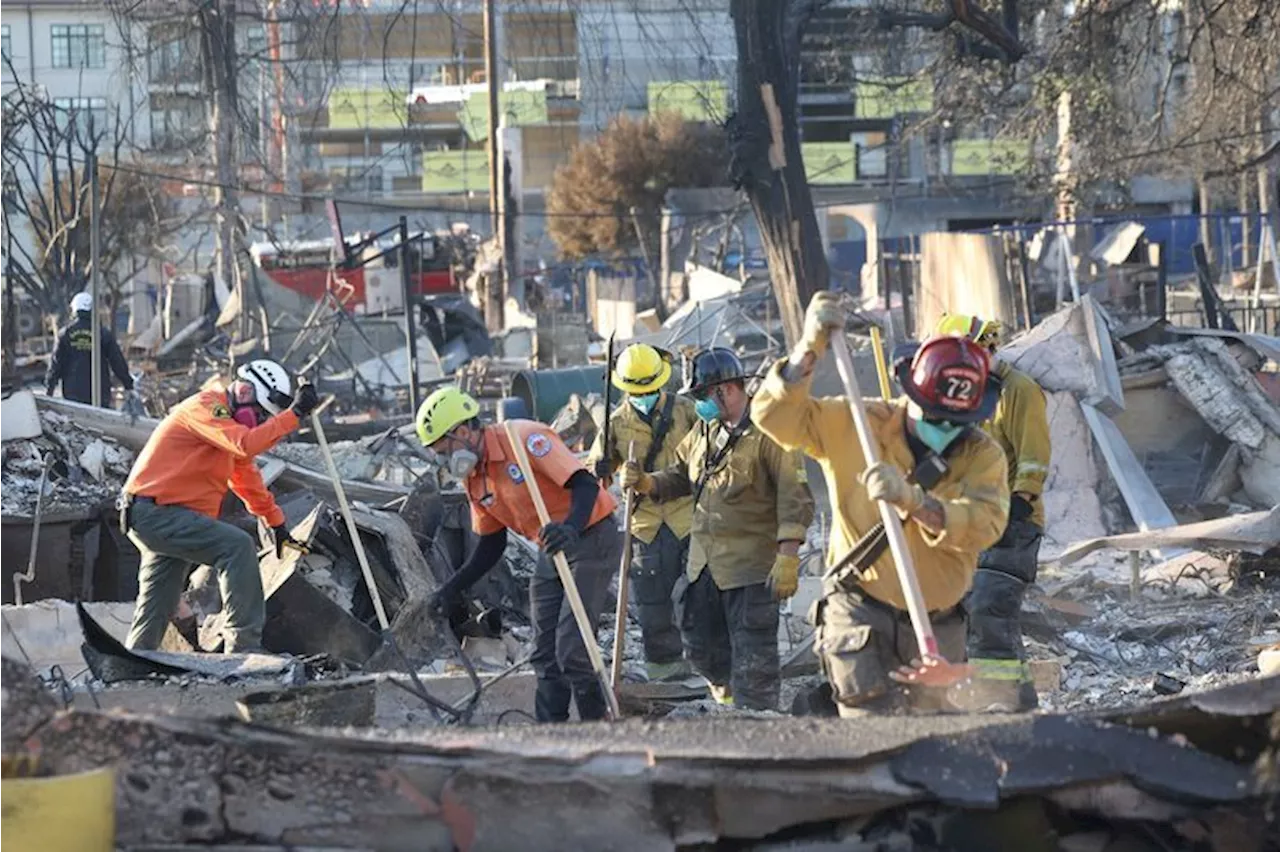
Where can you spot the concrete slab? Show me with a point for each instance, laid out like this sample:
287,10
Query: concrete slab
19,417
48,632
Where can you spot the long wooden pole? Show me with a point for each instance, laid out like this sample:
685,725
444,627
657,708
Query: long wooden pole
942,672
350,520
585,627
620,609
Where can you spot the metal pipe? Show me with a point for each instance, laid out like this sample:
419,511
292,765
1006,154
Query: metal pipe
95,261
410,331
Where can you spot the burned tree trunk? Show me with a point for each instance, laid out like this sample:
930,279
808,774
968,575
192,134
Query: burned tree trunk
764,144
764,133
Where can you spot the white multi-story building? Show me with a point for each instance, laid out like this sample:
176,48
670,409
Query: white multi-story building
64,65
68,53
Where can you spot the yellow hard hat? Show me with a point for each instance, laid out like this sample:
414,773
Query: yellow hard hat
444,409
982,332
641,369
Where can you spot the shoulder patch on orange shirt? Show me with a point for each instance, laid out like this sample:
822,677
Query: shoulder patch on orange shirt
220,410
539,444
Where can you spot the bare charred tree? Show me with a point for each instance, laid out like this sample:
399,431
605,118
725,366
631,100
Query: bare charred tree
764,133
46,154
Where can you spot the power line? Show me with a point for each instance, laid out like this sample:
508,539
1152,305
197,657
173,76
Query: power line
406,205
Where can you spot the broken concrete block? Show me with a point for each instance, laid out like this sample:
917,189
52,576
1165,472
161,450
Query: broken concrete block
93,458
1269,662
48,631
485,652
1046,675
19,417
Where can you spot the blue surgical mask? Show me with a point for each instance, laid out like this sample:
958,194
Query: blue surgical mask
937,435
645,403
707,409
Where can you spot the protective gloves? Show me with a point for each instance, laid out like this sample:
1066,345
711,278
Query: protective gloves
1020,509
885,482
1020,512
305,400
556,538
784,577
635,478
602,469
133,406
824,314
282,539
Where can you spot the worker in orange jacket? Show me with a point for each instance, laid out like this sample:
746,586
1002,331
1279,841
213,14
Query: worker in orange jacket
170,504
581,527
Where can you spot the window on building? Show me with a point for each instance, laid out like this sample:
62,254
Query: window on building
5,46
173,55
79,45
255,44
873,154
177,122
357,180
87,115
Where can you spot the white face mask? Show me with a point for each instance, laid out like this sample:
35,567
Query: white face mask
461,463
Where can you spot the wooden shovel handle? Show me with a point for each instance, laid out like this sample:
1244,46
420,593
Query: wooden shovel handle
585,627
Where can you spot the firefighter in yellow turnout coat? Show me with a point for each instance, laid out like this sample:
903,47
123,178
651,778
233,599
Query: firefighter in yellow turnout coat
864,631
1008,567
655,421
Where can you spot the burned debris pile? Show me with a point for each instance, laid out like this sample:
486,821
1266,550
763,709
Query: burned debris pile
85,469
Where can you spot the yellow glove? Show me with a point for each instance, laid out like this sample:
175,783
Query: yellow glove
824,314
635,478
784,577
885,482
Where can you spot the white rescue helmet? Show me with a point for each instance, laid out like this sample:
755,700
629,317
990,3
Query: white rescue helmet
81,302
271,384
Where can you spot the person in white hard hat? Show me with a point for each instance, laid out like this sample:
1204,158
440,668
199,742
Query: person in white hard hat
170,504
72,359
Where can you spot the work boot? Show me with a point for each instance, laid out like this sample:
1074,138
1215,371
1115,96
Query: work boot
815,701
675,670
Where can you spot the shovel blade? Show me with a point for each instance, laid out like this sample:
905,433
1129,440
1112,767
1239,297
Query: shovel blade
932,670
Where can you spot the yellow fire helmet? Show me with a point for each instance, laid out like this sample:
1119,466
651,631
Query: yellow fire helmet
641,369
985,333
444,409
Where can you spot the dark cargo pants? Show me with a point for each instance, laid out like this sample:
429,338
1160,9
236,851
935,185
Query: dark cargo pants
560,659
655,568
860,641
995,601
173,540
731,638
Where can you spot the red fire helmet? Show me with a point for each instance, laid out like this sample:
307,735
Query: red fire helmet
949,378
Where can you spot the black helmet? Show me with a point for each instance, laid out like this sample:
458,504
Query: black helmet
710,367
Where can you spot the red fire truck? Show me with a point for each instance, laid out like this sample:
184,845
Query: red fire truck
305,266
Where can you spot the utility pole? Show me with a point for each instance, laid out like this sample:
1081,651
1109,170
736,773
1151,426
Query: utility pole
493,301
410,330
95,257
10,320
